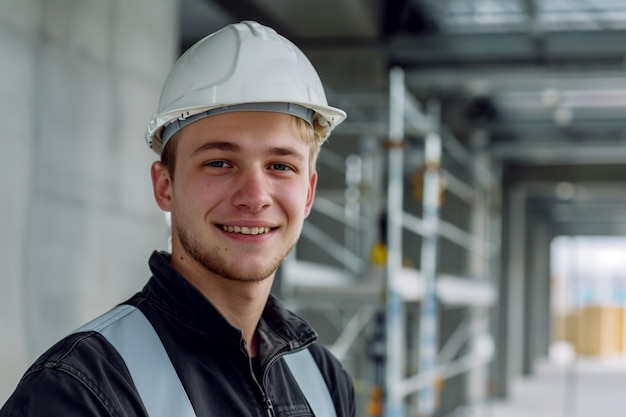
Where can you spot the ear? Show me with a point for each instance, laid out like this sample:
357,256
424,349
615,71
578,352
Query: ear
310,194
161,186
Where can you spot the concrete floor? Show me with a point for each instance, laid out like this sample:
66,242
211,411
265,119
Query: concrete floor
586,387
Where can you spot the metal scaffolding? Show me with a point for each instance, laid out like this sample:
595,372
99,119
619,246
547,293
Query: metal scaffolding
424,289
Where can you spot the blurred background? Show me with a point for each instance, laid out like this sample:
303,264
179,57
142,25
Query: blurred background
466,252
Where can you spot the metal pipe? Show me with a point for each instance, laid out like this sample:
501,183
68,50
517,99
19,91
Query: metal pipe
340,253
351,331
394,307
459,188
462,238
449,231
455,342
337,212
464,364
428,307
458,152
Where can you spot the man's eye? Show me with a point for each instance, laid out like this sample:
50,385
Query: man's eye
217,164
281,167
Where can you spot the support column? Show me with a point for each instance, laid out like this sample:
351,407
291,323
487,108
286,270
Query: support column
394,306
511,300
429,334
479,268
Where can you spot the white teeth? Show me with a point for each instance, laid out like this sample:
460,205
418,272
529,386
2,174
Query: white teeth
246,230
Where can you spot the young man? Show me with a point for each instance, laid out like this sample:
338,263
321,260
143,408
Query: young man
240,122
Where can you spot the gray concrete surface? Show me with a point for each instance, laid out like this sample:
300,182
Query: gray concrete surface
587,387
79,81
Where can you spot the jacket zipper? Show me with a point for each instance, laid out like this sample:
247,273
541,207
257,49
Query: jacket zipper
266,400
270,407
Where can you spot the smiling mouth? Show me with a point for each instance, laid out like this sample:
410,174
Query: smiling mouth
245,230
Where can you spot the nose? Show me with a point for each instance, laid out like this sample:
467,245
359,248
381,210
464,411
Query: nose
252,190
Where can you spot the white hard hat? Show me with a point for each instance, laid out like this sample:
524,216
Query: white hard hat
244,66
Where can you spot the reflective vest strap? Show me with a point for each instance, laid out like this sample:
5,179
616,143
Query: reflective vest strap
155,378
311,382
153,374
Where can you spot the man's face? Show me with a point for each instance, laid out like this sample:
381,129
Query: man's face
241,191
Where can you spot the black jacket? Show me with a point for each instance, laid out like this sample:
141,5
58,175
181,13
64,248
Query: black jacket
83,375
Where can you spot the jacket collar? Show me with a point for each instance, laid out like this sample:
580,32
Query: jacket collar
280,329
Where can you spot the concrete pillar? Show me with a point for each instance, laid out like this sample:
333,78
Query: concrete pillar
538,332
479,262
80,81
510,320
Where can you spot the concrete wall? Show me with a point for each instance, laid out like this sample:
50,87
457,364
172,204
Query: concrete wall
78,82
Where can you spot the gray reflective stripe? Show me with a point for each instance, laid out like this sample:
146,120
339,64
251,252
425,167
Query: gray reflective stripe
155,378
311,382
153,374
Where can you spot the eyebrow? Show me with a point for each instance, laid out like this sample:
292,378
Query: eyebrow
286,151
220,146
233,147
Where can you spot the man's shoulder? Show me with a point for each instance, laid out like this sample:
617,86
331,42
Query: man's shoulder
85,350
80,349
81,372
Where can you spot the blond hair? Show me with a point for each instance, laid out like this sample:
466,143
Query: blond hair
314,137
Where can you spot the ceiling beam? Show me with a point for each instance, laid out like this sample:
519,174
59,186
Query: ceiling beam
492,78
580,228
442,50
558,153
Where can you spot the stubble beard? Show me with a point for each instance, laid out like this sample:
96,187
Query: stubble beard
213,259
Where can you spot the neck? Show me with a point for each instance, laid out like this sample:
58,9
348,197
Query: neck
242,307
241,302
